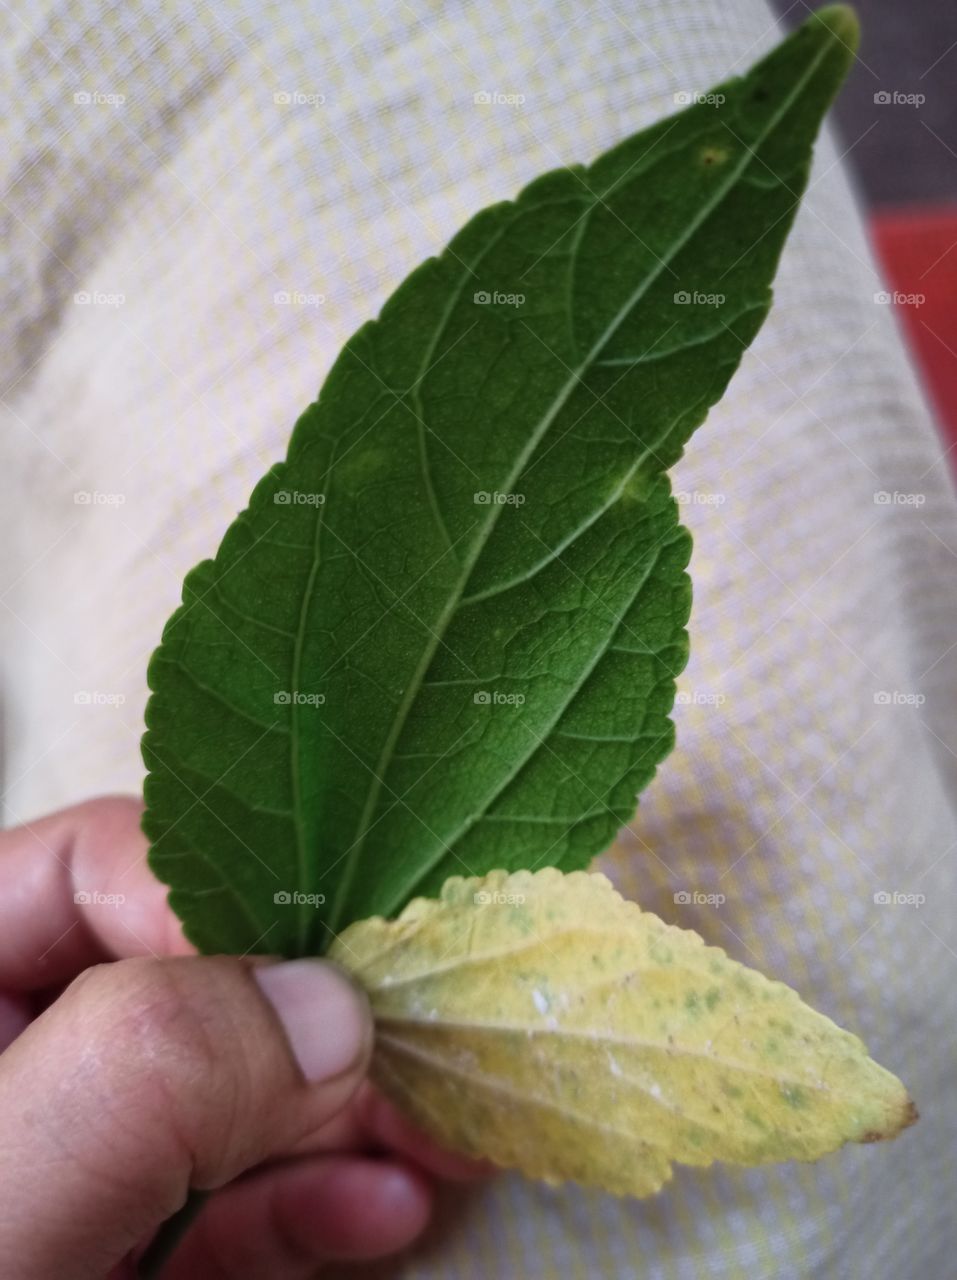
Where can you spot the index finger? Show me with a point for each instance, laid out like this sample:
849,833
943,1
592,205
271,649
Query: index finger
75,890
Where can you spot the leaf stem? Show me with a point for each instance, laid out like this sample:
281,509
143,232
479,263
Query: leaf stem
169,1235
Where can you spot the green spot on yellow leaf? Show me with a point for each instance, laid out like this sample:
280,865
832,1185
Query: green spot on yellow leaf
794,1096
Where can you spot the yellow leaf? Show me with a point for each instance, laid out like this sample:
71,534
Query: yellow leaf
543,1022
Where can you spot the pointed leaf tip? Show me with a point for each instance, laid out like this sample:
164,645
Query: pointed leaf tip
842,21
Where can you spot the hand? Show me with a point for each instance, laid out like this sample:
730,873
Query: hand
155,1071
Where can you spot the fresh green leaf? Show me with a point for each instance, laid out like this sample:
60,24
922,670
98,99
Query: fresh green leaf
541,1021
445,632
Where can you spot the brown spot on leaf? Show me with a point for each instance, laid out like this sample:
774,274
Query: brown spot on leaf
910,1116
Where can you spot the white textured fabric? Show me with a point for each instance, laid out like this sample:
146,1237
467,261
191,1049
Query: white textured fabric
794,792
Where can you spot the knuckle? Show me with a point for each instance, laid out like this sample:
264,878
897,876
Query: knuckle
175,1074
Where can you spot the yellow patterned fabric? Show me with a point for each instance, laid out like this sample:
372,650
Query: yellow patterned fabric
201,203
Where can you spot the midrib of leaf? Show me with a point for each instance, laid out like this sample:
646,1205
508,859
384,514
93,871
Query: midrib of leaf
354,852
302,859
480,1080
540,739
523,1098
554,553
571,1033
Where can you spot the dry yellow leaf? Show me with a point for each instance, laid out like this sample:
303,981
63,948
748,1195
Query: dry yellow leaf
541,1021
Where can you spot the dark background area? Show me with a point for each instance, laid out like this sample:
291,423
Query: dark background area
901,153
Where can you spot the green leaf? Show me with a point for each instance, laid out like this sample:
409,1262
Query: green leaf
444,634
541,1021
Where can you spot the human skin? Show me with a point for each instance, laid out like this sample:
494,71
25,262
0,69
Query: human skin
133,1070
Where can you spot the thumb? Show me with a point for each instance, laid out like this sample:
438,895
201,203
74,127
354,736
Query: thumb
148,1077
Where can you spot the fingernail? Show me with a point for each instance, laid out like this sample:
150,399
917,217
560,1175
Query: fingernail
325,1016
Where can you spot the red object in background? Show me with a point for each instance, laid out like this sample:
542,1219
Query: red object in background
918,252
